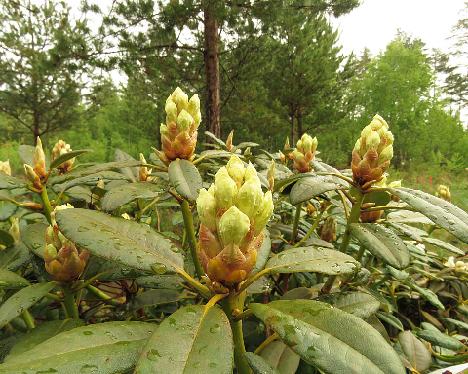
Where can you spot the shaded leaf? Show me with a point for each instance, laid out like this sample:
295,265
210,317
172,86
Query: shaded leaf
263,253
8,279
22,300
8,182
259,365
442,340
67,156
307,188
126,193
390,319
281,357
416,354
130,172
360,304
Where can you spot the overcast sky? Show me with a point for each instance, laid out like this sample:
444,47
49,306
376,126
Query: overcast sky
375,22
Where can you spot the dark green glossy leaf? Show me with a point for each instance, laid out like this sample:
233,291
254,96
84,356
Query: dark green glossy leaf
263,253
312,259
126,193
41,333
34,238
9,279
22,300
195,339
307,188
130,172
8,182
104,348
185,178
444,214
328,338
126,242
67,156
382,242
13,258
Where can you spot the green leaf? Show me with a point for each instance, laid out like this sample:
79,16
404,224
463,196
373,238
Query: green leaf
8,279
7,209
22,300
6,239
259,365
8,182
307,188
360,304
459,324
195,339
383,243
440,243
416,354
26,153
130,172
67,156
116,239
40,334
390,319
379,198
263,253
185,178
13,258
281,357
91,180
444,214
427,294
312,259
33,237
110,347
158,297
441,340
328,338
126,193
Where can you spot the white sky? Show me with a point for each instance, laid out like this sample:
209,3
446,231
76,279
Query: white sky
375,23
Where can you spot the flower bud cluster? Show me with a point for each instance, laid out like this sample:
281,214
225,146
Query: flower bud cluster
304,153
63,261
328,230
233,213
443,192
61,148
372,152
36,173
179,133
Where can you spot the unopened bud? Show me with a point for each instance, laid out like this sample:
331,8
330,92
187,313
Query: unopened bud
229,141
15,229
39,162
328,230
32,176
304,153
233,226
271,175
61,148
236,169
184,120
143,171
264,213
287,146
5,167
443,192
225,189
206,208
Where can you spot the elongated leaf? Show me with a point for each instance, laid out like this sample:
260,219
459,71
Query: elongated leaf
360,304
158,297
312,259
281,357
126,242
195,339
259,365
185,178
459,324
110,347
41,333
67,156
14,257
34,238
22,300
416,354
442,340
444,214
126,193
307,188
427,294
6,239
8,279
328,338
263,253
382,243
85,171
444,245
391,320
130,172
8,182
91,180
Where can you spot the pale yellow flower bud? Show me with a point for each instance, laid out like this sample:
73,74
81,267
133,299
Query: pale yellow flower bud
32,176
249,198
15,229
206,208
225,189
180,98
236,169
39,161
386,154
229,141
184,120
171,111
264,213
194,109
271,175
233,226
5,167
61,148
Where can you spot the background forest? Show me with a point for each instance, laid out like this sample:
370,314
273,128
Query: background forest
98,78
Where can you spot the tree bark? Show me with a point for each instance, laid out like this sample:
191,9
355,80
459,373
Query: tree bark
211,58
299,123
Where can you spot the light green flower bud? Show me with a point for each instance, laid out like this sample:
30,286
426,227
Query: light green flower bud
206,208
39,159
366,131
249,198
184,120
236,169
251,173
372,140
14,230
233,226
50,252
5,167
180,98
194,108
32,176
171,111
264,213
386,154
357,146
225,189
378,122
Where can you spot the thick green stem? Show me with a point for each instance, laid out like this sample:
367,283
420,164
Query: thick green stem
70,303
232,305
190,230
360,253
28,319
102,295
311,230
46,203
297,216
353,218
